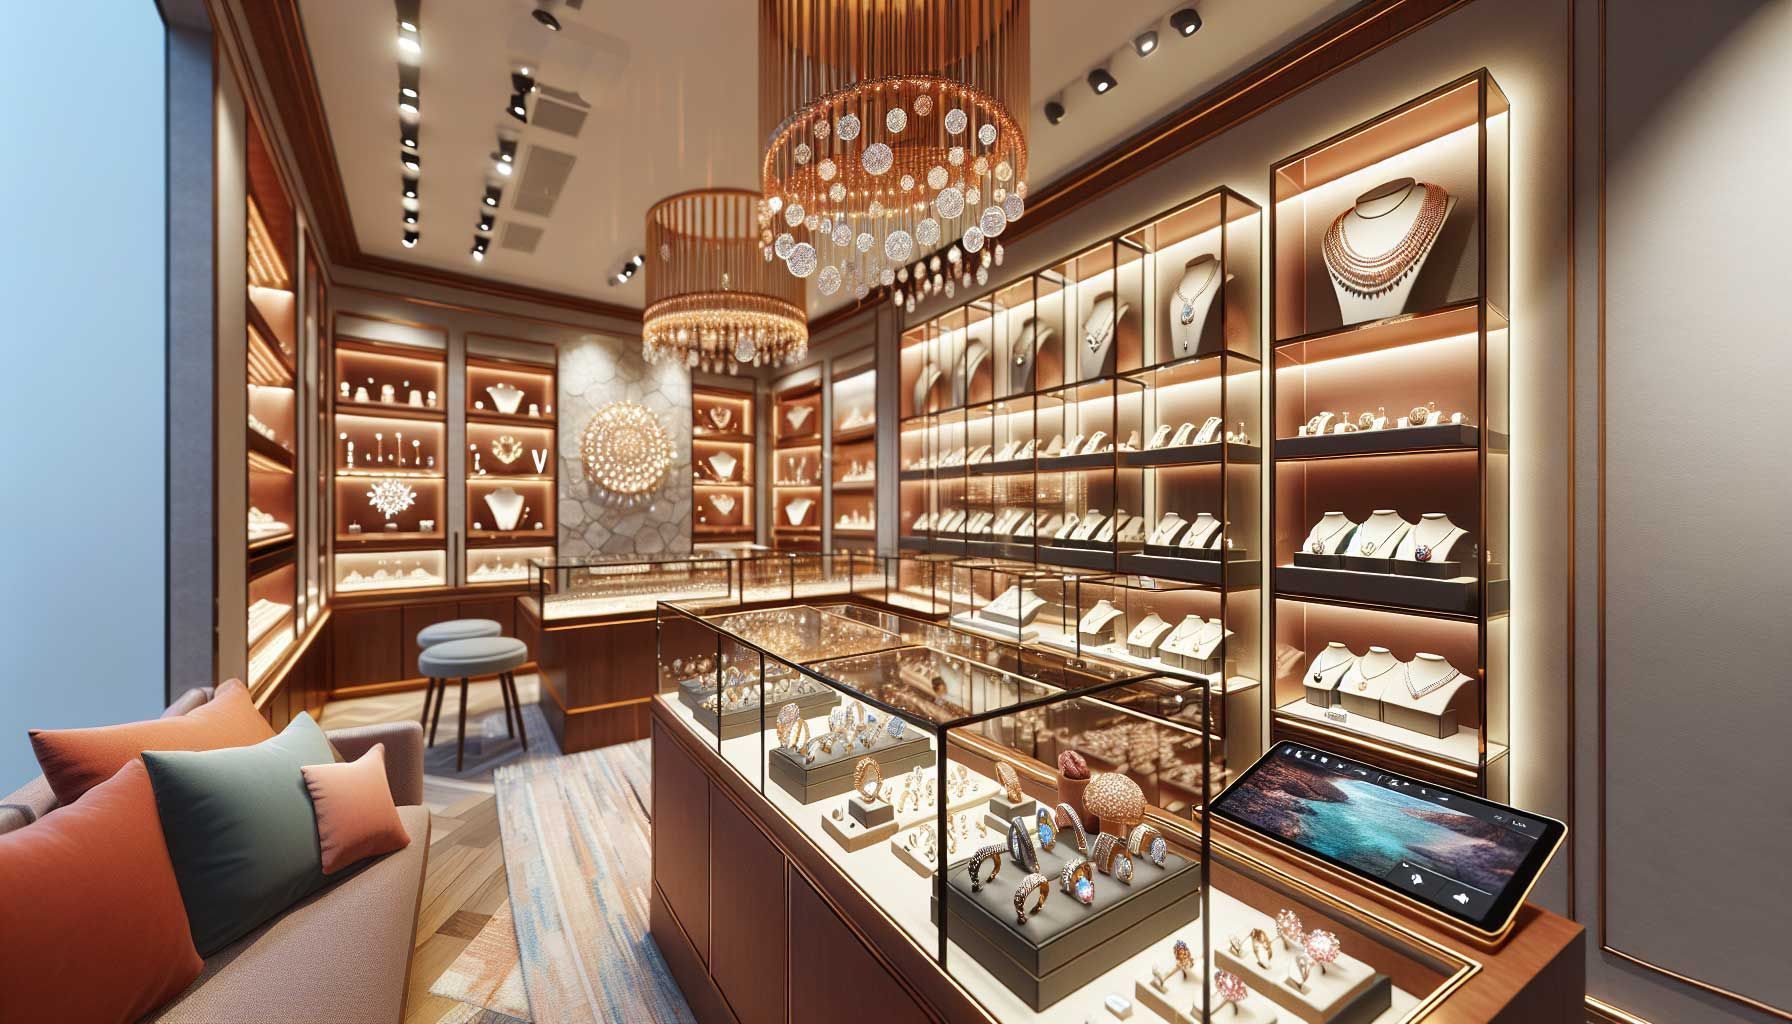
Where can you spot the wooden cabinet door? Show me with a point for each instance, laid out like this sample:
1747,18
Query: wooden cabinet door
365,646
417,616
501,610
680,815
832,975
748,914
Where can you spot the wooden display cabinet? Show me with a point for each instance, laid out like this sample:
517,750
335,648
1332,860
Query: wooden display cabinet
723,462
797,467
852,476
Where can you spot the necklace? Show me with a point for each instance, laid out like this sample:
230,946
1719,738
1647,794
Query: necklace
1187,313
1319,544
1319,670
1362,683
1097,338
1375,273
1369,546
1418,692
1422,551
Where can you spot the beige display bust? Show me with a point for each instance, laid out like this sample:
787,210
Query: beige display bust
1191,303
1374,227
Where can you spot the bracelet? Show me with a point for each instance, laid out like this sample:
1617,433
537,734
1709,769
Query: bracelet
868,778
1148,841
1020,845
1111,858
992,853
1010,780
1034,882
1043,822
1067,815
1078,880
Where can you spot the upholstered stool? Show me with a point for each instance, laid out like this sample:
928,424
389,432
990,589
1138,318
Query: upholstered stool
475,658
439,632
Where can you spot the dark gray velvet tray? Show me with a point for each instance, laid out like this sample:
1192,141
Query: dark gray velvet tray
1067,945
831,774
744,720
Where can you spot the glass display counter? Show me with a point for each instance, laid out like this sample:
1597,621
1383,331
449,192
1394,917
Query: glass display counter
590,587
1030,827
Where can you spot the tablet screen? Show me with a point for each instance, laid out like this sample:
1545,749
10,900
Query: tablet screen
1470,858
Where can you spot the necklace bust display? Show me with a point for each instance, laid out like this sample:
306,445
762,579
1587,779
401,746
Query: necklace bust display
1329,534
1380,534
1191,303
1026,345
1374,250
1096,355
1431,540
974,354
924,382
1329,666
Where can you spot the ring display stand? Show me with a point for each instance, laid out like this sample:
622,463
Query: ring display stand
831,774
744,720
1066,945
1348,991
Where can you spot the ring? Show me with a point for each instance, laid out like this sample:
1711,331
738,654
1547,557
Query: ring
1185,959
896,727
1048,836
1235,943
1078,880
992,853
867,778
1323,947
1034,882
1300,972
1010,780
1111,858
819,743
1020,845
1068,817
1262,950
1288,926
1148,841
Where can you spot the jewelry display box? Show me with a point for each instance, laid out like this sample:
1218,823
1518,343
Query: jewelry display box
743,719
831,774
1390,475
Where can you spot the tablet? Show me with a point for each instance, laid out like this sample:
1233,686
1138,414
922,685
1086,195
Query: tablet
1469,858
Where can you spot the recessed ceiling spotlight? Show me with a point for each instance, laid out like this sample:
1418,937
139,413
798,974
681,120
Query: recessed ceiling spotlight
517,108
1101,82
547,19
1054,111
502,168
410,239
407,105
1186,22
410,188
412,162
1145,42
493,194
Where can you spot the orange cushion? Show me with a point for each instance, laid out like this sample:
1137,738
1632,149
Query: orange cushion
94,928
76,760
356,817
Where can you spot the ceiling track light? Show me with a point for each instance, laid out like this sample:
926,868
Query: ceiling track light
411,161
546,18
408,106
504,160
407,136
1054,111
485,223
1101,81
410,45
493,196
1145,43
410,216
1186,22
521,81
410,188
410,239
518,108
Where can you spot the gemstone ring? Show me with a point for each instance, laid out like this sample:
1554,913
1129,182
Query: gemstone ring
1078,880
1048,836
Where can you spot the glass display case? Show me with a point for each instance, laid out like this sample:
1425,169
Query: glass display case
1020,602
722,465
1084,507
1390,477
796,505
1028,822
999,478
852,462
568,587
511,466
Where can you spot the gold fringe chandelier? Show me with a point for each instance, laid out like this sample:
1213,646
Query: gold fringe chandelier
713,303
893,127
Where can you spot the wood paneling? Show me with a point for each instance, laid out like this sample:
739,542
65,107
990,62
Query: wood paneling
687,967
366,645
680,816
747,905
501,610
414,619
838,971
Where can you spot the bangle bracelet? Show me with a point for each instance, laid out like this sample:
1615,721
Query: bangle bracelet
991,853
1034,882
1069,818
1146,840
868,778
1078,880
1020,845
1111,858
1042,823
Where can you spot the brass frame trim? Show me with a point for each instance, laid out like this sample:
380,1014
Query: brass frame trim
1601,1012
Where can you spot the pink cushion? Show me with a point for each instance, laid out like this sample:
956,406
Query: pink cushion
356,817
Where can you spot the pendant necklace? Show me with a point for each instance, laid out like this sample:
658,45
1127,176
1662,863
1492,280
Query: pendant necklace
1362,683
1418,692
1098,338
1319,544
1319,671
1187,314
1422,551
1374,273
1368,547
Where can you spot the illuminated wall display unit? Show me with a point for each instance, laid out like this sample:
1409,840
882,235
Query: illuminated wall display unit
852,458
1390,475
511,475
722,465
797,470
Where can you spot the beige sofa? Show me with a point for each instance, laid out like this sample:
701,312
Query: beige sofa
344,954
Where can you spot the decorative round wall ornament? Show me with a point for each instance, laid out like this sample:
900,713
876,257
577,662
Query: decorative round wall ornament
625,449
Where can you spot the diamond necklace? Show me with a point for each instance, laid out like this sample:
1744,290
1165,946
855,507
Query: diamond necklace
1187,314
1375,273
1431,686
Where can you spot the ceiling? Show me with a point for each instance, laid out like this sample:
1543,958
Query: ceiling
671,93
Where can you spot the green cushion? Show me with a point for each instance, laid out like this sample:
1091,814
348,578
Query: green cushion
240,830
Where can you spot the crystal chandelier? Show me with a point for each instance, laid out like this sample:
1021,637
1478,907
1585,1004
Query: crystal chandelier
712,301
892,129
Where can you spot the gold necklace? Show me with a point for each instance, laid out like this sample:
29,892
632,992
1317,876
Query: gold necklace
1375,273
1369,547
1362,683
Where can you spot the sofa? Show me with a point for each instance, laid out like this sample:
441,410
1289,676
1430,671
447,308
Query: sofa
342,954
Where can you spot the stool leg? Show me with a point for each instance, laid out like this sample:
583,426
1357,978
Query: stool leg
429,691
509,721
460,751
436,719
517,701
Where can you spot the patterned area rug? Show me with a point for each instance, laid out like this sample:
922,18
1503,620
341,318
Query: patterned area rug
578,856
488,976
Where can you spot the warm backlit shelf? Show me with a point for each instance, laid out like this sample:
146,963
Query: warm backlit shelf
1193,455
798,443
716,438
1445,437
266,455
856,434
1457,753
515,419
507,538
510,478
388,411
387,538
854,486
399,474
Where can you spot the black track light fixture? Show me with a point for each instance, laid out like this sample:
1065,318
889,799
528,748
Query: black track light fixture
1186,22
1054,111
504,160
410,188
547,19
410,46
1101,82
407,136
479,244
410,216
521,81
409,104
486,221
1145,43
410,239
493,196
518,108
411,161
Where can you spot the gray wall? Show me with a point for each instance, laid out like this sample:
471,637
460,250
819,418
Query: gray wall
83,404
1683,693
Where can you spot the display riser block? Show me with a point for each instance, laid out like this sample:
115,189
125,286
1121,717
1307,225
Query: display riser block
1368,707
853,837
977,623
1194,455
1093,460
1003,467
1067,945
831,774
1457,596
1181,1002
1320,697
745,721
1350,992
1379,442
1077,558
1435,726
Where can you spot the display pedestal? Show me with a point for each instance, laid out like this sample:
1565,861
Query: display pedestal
831,774
852,836
1001,812
744,719
1357,704
1347,992
1180,1003
1067,945
870,815
1437,726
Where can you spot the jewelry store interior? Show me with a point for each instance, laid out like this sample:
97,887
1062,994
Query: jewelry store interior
1036,514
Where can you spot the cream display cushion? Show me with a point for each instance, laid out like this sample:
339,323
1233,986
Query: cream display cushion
457,629
477,656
